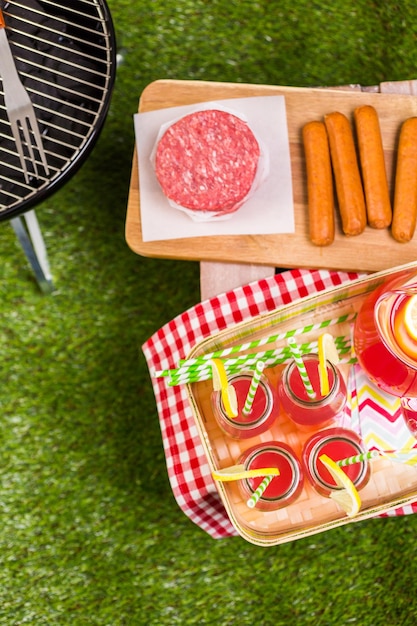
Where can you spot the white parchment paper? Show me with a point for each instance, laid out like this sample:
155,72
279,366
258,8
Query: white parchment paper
269,210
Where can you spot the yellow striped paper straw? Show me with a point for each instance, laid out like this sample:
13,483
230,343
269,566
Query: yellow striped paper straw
259,368
296,355
256,496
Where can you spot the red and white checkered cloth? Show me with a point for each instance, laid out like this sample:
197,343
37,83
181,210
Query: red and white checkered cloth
188,470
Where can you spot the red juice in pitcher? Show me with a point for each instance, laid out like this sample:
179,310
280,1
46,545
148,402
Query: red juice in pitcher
384,343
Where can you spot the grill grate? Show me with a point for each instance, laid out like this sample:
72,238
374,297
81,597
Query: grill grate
65,56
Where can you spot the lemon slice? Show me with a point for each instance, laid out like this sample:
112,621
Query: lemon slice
410,317
221,383
219,374
405,327
347,497
327,352
229,399
238,472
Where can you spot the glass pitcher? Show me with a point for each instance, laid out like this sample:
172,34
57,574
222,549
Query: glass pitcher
385,349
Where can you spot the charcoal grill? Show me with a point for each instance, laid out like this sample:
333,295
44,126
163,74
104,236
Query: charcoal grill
65,55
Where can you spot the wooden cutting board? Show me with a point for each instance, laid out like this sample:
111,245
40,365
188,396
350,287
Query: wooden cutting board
373,250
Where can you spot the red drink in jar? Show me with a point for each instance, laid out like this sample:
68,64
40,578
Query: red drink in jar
263,412
306,412
284,489
338,444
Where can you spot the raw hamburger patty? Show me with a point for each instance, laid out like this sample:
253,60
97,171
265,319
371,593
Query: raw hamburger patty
207,161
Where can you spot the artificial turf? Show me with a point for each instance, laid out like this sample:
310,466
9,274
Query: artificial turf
90,532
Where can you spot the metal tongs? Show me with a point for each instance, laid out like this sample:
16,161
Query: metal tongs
19,107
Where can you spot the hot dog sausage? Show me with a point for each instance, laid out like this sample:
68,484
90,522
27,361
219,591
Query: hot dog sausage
319,183
372,161
349,189
405,193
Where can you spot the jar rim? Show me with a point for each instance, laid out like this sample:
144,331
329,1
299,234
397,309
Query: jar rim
292,461
269,401
311,402
315,451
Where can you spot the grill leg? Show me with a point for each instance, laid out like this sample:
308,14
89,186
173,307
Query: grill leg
32,242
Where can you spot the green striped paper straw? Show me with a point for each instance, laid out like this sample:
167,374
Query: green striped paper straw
259,368
234,365
297,356
251,345
256,496
202,370
283,353
358,458
196,377
342,344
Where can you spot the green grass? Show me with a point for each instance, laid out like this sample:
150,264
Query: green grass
90,532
